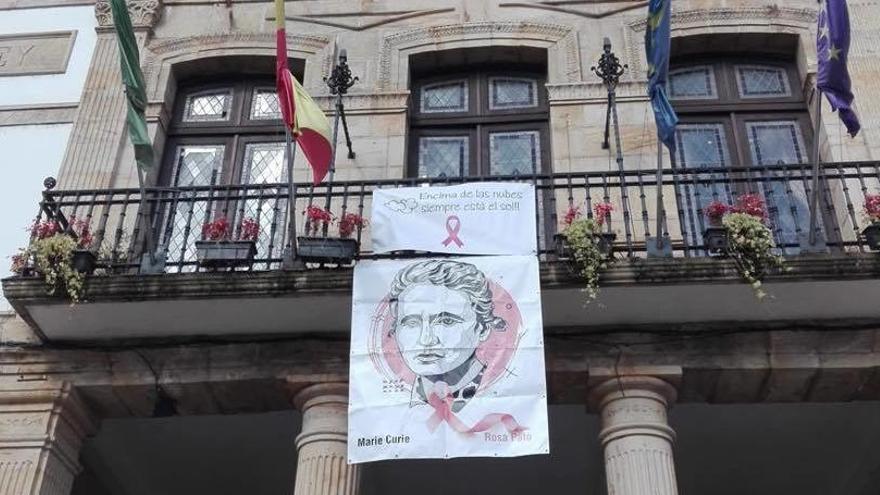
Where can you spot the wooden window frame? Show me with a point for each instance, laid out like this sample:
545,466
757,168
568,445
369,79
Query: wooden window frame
233,133
479,119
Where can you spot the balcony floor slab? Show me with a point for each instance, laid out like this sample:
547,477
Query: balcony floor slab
815,290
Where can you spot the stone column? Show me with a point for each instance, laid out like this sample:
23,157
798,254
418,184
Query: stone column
99,135
41,432
635,435
321,466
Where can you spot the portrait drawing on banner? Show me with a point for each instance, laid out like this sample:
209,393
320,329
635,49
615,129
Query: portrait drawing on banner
443,362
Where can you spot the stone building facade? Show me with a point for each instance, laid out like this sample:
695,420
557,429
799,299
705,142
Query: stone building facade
797,373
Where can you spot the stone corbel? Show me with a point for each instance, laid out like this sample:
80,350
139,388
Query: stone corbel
144,13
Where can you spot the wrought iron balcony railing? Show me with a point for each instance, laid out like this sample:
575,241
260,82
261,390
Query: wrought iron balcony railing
118,223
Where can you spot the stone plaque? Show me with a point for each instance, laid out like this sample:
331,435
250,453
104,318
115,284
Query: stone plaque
35,53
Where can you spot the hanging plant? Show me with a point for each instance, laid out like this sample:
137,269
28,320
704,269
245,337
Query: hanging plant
588,246
750,242
52,252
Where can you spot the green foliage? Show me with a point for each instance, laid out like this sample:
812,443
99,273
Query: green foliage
750,245
583,237
53,260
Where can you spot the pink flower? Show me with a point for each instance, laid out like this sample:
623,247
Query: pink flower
573,213
751,204
603,212
83,232
317,216
45,229
349,222
872,207
216,230
248,230
716,210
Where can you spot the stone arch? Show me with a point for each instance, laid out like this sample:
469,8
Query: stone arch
560,41
770,19
162,55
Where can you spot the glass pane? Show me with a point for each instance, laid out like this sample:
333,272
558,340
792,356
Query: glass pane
778,143
758,82
443,156
445,97
701,145
207,107
514,153
512,93
693,83
702,150
264,164
264,105
196,166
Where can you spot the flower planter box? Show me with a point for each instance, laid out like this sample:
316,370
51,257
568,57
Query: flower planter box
560,244
225,254
872,236
83,261
606,243
716,239
563,250
327,250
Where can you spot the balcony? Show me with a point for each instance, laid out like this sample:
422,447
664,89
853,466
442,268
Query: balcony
831,280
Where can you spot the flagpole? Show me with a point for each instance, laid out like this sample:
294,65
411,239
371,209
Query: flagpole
657,233
814,199
148,228
290,262
609,69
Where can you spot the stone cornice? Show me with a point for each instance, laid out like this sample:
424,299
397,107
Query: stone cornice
554,274
594,92
367,103
144,13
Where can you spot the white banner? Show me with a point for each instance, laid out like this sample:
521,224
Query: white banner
476,218
447,359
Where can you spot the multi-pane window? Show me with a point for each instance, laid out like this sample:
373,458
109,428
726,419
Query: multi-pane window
762,81
693,83
742,115
225,134
479,123
208,106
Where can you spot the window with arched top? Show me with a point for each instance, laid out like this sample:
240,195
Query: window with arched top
737,112
483,121
226,132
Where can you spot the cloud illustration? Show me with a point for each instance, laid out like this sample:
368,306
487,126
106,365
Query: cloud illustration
402,206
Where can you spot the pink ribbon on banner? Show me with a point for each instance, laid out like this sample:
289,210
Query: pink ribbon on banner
453,226
443,414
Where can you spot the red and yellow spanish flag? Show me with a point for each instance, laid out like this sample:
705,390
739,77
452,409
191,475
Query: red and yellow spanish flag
299,111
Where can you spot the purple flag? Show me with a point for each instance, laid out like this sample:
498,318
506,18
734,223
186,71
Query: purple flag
832,48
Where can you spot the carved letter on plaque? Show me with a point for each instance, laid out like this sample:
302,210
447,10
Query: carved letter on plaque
35,53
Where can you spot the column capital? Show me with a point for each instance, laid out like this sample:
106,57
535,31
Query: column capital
635,434
632,386
144,13
320,394
322,444
633,406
